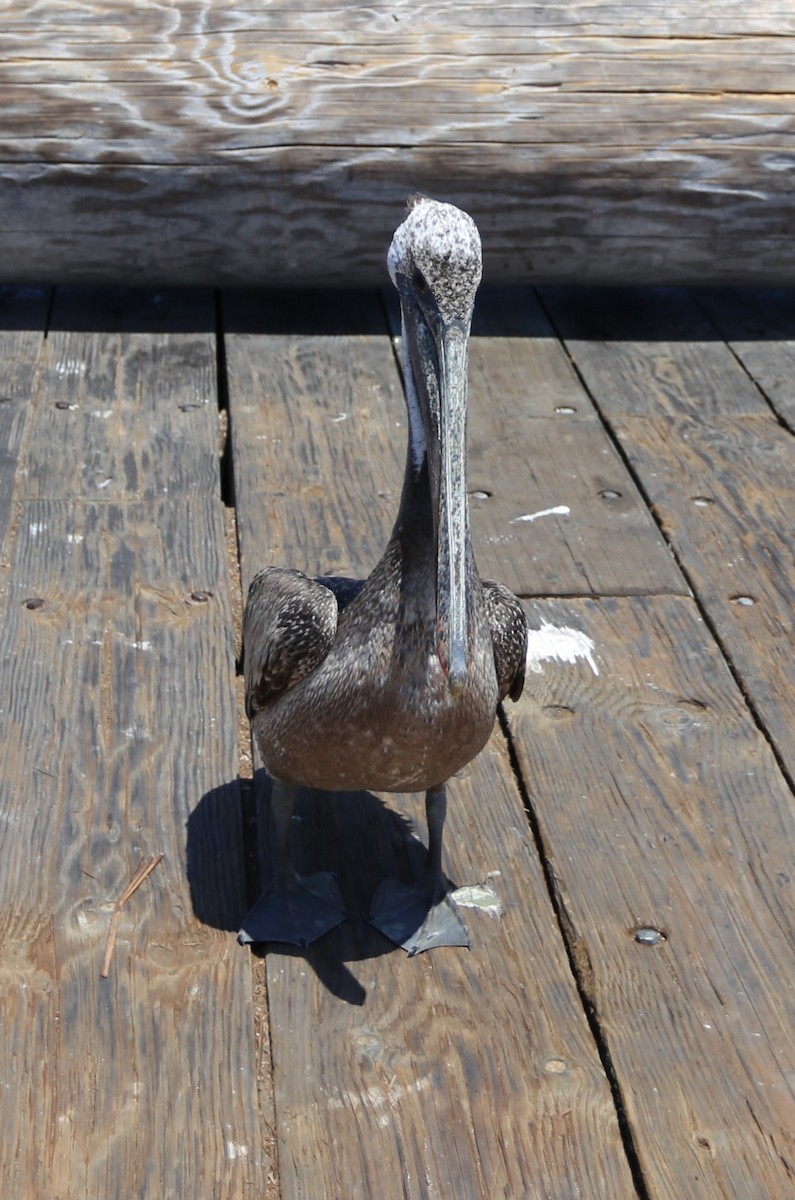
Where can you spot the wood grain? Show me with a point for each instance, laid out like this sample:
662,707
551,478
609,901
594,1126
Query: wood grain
725,496
717,466
23,316
465,1073
649,352
536,443
218,143
759,325
319,435
661,807
118,742
114,694
656,798
128,397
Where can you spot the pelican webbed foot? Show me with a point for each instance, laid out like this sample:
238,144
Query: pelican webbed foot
423,915
418,916
294,908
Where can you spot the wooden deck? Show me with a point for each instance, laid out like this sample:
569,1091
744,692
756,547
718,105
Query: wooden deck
627,1029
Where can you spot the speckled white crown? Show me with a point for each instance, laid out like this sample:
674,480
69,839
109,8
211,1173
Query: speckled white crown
443,243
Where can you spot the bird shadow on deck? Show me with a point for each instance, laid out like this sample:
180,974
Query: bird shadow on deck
215,858
355,835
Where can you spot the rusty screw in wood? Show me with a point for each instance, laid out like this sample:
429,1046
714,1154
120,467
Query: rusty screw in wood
199,597
33,602
647,935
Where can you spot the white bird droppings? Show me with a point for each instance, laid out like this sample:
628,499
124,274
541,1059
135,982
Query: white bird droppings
558,510
478,895
561,643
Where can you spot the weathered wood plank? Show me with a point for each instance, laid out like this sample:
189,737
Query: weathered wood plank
118,741
759,324
647,352
333,406
725,495
660,806
114,696
313,426
23,316
128,380
465,1074
592,141
536,443
717,467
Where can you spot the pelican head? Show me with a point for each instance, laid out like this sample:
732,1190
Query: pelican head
435,264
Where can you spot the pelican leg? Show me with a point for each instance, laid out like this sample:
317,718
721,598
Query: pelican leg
422,915
292,908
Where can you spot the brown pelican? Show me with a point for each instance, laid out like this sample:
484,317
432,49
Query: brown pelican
390,683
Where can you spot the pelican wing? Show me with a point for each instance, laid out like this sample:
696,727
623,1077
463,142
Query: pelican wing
288,629
509,637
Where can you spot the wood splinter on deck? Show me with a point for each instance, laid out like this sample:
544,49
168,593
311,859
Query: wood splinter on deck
144,869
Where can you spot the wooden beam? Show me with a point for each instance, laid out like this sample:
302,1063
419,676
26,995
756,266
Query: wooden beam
276,144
